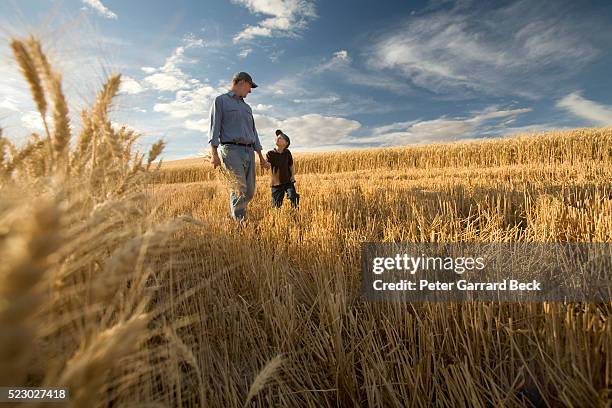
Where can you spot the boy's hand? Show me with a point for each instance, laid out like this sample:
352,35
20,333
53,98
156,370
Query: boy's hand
264,164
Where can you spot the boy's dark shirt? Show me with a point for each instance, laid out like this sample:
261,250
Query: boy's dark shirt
281,166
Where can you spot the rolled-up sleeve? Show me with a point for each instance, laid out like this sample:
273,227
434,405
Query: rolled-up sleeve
257,146
216,115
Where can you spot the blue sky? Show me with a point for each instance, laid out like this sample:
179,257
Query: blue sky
332,75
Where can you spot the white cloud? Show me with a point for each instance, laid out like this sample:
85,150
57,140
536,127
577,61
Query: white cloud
190,102
201,125
166,81
251,32
307,131
245,52
261,107
507,50
287,18
318,100
342,55
100,8
33,121
584,108
275,55
130,86
170,77
9,104
191,41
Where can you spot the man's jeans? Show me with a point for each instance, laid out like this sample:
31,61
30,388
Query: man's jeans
278,193
240,161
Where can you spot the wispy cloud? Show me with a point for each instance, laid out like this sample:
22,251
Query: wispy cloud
320,132
245,52
510,50
100,8
584,108
341,64
170,77
189,106
340,59
286,18
441,129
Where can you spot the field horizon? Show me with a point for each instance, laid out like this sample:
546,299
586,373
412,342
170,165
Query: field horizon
188,161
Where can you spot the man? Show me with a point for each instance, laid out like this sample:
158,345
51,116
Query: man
233,128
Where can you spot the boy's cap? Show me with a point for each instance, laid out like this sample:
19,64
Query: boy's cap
239,76
284,136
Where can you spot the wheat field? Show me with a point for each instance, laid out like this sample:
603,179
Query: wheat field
123,279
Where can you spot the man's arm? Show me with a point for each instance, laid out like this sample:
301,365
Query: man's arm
262,160
214,132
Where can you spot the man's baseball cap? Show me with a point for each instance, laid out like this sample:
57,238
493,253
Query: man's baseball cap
284,136
239,76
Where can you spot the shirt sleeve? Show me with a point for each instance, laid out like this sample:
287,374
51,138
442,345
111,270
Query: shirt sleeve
257,146
291,171
216,115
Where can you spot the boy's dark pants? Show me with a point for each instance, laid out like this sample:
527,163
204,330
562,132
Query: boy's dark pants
278,193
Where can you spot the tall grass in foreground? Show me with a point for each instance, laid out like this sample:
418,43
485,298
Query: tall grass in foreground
78,251
132,293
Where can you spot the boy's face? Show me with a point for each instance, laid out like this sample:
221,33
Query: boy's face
281,143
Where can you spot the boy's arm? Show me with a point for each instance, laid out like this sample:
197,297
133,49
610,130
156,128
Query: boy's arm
291,171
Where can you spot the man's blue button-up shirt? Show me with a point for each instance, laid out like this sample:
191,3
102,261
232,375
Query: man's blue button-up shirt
231,120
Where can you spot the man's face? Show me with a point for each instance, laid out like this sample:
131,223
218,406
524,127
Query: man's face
243,88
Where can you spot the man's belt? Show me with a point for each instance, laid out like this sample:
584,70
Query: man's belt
239,144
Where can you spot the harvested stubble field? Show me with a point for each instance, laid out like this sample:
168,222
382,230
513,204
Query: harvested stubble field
129,285
291,287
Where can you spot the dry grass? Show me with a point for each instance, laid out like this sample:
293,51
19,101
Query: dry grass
132,292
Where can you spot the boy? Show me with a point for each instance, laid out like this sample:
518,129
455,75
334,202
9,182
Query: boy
282,177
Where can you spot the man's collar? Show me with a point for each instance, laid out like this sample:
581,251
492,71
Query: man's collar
233,95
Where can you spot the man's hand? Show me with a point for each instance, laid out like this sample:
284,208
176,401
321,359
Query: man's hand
262,161
214,157
216,161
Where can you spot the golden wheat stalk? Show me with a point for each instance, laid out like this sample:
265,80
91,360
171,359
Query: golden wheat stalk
61,120
264,377
30,73
25,256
